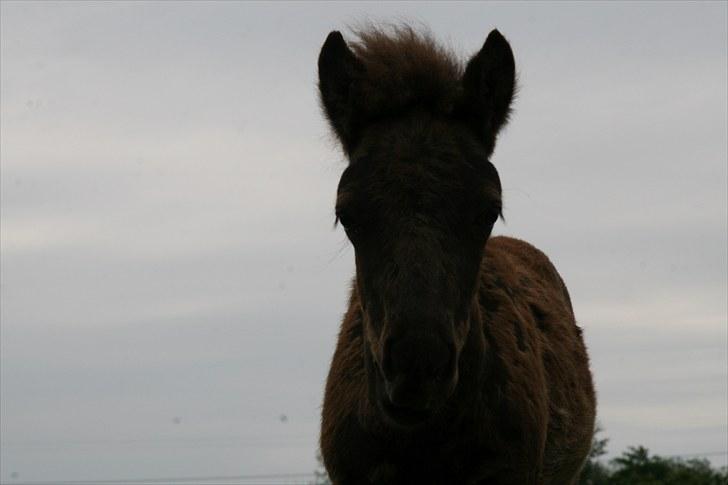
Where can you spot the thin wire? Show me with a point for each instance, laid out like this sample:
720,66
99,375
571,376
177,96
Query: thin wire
157,443
707,453
220,478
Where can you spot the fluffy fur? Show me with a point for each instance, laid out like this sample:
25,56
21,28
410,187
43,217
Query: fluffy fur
403,69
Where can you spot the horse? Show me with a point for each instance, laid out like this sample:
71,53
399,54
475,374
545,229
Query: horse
459,360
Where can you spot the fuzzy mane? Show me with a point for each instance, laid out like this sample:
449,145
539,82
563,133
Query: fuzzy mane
405,69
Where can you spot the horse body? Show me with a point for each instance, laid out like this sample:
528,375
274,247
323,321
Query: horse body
459,360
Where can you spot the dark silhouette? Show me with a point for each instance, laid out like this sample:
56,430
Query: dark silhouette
459,360
636,466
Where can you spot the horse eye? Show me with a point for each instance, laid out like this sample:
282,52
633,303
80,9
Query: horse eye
346,219
354,218
487,217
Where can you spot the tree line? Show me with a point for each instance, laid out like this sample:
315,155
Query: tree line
636,466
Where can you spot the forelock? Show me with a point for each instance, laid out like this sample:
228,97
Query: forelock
405,69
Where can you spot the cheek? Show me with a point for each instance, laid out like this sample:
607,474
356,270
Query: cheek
369,300
359,283
462,329
373,338
469,267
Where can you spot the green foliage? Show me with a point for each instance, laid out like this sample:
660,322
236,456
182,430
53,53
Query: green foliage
637,467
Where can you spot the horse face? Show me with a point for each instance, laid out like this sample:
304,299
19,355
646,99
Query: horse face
418,212
418,200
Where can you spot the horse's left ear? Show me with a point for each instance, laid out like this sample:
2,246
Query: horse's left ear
489,84
339,70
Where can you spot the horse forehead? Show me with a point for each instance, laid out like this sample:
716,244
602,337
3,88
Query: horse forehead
415,177
412,133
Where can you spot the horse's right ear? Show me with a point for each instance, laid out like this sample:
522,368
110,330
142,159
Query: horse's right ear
338,70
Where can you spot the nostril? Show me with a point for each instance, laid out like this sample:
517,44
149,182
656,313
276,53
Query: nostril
403,393
440,361
418,359
447,367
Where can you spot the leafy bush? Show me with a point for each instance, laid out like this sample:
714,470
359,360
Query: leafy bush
637,467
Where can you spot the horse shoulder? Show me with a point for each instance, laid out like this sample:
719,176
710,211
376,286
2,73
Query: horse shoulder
536,328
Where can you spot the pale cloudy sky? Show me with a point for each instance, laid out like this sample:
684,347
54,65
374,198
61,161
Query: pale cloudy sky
171,280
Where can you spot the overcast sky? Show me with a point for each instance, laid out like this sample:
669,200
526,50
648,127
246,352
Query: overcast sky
172,283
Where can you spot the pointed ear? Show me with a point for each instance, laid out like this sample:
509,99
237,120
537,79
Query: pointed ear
339,70
489,84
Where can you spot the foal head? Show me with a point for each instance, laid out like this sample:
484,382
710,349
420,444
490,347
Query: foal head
418,200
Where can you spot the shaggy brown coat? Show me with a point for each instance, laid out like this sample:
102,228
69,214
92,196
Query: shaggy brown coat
459,360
